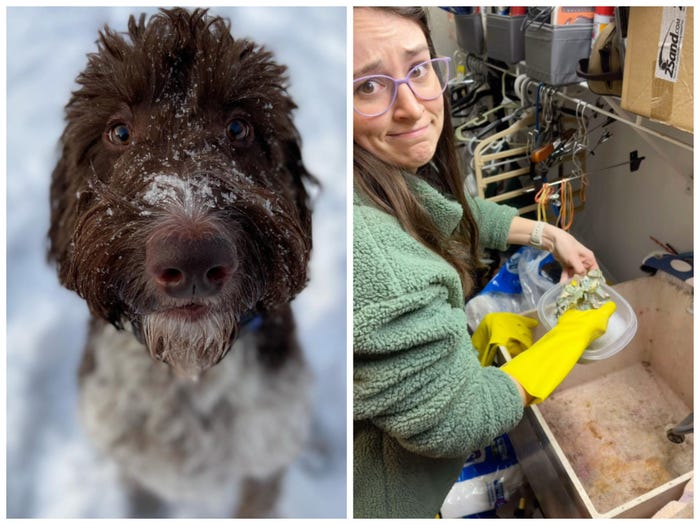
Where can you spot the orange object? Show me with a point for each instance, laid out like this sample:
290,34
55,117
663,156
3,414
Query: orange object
566,211
542,199
572,15
541,154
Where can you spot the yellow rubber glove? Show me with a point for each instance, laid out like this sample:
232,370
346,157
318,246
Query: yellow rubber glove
502,329
549,360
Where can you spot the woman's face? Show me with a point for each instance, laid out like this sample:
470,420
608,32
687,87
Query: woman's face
407,134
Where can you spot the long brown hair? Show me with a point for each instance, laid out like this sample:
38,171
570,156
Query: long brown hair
386,187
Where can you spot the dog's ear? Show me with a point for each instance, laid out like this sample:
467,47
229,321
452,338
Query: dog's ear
61,206
303,181
68,195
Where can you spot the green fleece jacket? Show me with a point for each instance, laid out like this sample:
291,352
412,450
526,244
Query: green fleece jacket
422,403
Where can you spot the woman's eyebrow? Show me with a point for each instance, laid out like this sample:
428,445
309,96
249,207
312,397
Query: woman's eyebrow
374,66
410,53
366,69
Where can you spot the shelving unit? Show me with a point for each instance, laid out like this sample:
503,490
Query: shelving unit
479,65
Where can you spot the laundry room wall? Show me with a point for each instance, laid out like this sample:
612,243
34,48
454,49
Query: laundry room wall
623,209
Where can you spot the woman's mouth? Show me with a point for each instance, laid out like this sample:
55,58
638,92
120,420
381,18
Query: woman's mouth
412,133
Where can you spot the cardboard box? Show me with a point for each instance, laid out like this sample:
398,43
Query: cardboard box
658,78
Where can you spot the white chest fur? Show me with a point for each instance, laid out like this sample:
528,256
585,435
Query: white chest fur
194,440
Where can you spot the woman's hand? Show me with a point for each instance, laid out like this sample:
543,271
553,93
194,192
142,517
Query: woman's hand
573,256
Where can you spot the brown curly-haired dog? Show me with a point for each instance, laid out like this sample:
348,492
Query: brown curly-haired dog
179,213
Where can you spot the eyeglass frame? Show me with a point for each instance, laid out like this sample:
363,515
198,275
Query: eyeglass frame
398,81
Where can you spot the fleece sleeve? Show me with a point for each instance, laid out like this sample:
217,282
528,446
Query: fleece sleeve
493,220
416,374
427,388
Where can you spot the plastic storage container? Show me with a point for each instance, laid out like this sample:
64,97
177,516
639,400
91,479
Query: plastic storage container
621,327
552,52
505,38
470,33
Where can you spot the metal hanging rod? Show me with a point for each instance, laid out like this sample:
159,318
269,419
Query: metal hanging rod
556,182
473,60
635,125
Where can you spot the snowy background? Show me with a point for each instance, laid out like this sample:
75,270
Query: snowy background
52,471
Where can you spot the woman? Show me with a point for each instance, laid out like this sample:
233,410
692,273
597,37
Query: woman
422,402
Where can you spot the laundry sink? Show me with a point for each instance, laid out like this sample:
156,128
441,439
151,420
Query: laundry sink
597,447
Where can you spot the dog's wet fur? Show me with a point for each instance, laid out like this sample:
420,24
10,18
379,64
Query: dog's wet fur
180,213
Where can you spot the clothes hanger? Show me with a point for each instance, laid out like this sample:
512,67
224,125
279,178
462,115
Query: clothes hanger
482,157
485,117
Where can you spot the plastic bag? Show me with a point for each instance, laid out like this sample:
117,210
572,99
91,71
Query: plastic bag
518,285
488,479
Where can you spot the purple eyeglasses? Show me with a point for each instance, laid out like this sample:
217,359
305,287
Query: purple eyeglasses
373,95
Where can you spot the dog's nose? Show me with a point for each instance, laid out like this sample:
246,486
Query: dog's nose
186,267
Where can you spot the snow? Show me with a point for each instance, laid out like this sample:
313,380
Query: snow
52,469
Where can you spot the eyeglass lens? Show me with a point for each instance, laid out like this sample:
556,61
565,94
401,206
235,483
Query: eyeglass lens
374,95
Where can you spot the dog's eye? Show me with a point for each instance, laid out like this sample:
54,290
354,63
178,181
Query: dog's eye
119,134
239,130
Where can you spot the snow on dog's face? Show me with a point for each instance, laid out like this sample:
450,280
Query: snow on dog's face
179,201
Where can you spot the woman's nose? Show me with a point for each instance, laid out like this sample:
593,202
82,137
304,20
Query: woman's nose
407,104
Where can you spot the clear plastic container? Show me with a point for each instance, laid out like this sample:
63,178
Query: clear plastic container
621,327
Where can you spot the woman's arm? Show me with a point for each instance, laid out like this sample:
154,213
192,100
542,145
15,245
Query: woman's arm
574,257
527,398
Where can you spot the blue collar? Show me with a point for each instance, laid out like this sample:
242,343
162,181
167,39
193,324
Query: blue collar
251,321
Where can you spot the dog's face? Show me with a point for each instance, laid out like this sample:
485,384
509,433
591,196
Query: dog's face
178,203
